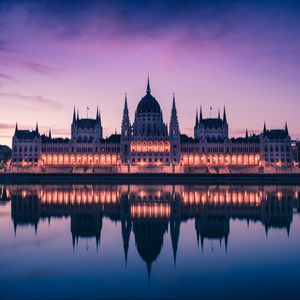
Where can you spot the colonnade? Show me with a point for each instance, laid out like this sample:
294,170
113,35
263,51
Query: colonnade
79,159
220,159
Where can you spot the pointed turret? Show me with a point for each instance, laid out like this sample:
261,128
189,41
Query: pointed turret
148,90
286,128
219,116
125,110
265,128
174,124
97,114
100,122
197,121
50,134
201,118
16,129
77,114
74,115
174,104
246,134
125,126
224,115
36,127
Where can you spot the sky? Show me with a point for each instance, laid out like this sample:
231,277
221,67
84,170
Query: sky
55,55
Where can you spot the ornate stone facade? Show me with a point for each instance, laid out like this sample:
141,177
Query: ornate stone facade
149,145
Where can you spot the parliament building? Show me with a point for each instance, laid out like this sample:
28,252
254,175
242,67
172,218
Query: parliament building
150,145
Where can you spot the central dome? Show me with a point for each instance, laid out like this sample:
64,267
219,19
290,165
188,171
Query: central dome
148,103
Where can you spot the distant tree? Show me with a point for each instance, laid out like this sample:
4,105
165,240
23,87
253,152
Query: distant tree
5,153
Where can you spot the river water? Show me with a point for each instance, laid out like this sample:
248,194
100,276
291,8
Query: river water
149,241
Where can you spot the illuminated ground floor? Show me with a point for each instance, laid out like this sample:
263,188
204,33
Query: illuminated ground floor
112,163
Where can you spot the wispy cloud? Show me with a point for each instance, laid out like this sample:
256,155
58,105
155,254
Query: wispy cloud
7,126
39,68
31,99
8,78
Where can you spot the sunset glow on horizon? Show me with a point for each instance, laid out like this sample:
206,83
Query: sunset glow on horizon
55,55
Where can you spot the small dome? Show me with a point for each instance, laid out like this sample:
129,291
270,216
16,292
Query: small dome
148,104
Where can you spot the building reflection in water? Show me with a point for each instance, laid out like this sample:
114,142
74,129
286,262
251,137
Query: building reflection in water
150,211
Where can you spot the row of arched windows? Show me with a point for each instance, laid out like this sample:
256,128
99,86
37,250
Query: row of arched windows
26,149
276,148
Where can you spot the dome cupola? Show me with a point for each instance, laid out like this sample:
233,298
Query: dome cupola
148,103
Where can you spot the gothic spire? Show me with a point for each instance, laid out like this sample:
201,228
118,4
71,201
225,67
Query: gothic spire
148,90
247,133
97,113
74,115
36,127
197,121
16,129
286,128
224,115
125,127
125,104
174,124
265,128
219,117
201,113
50,133
99,117
77,114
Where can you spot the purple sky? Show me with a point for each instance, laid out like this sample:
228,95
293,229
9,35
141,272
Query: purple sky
58,54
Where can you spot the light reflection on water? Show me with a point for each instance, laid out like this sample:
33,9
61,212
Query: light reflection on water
162,241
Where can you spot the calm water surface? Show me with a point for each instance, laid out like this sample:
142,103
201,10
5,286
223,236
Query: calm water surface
139,241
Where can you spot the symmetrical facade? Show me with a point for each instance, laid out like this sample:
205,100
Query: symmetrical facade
150,145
